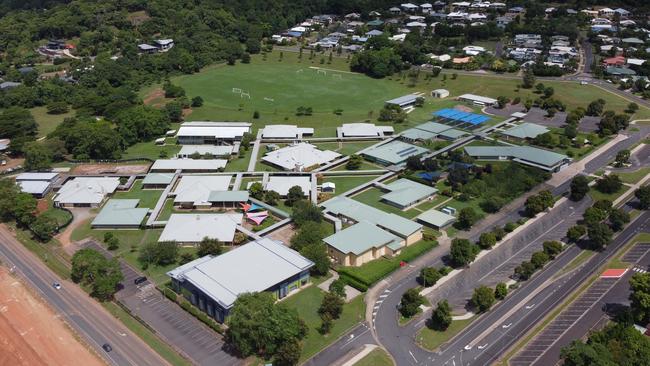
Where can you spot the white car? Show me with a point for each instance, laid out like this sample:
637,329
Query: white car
56,285
468,347
583,83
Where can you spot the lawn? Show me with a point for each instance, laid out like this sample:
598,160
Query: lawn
373,271
372,197
345,183
596,195
148,197
377,357
47,122
634,177
432,339
61,216
150,150
306,302
239,163
277,87
345,148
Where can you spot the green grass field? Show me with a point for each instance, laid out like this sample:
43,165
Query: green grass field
148,197
48,122
432,339
377,357
306,302
277,87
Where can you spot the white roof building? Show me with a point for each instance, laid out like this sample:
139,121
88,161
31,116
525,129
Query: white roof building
282,184
285,132
477,99
192,228
188,165
86,191
635,61
48,177
202,132
363,130
196,189
214,150
473,50
299,157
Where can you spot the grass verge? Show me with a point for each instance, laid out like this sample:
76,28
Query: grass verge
430,339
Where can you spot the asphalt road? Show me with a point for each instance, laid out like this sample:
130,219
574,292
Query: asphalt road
84,314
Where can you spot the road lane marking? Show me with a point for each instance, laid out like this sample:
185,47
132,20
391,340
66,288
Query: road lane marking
414,359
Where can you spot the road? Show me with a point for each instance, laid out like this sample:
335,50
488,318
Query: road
80,311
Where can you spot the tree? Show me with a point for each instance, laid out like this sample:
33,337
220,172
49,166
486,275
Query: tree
429,276
354,162
501,291
174,111
528,80
310,233
306,211
288,353
640,296
143,123
595,108
487,240
256,190
539,259
618,218
575,233
295,194
272,197
622,158
609,183
441,316
37,157
502,101
59,107
462,252
552,248
185,258
44,227
600,235
24,206
91,268
160,253
579,187
632,108
113,243
332,305
539,202
410,303
467,217
197,102
317,253
338,287
643,195
594,215
525,270
209,246
483,298
616,344
257,325
414,163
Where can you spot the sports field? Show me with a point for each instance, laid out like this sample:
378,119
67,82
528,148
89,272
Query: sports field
277,87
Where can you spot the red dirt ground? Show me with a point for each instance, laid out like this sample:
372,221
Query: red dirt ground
91,169
32,334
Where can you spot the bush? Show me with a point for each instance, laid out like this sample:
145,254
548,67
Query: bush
170,294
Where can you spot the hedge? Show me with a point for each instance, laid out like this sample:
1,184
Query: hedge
201,316
170,294
372,272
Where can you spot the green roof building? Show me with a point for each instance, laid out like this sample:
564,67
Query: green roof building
528,155
525,130
120,214
436,219
393,153
405,193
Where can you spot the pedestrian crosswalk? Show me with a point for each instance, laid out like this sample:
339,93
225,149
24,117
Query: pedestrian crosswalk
639,270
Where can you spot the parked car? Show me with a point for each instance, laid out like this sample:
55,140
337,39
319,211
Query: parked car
107,347
139,280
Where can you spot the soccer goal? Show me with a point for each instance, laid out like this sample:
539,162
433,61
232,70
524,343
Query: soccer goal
245,94
269,99
299,71
319,71
337,76
236,90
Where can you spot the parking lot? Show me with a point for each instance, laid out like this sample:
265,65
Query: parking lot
174,325
636,253
567,318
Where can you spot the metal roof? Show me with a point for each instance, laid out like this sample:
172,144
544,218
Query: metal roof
158,178
86,190
460,116
224,130
541,157
526,130
36,176
34,186
282,184
216,150
120,212
358,211
285,131
403,100
360,238
188,164
197,188
364,130
417,134
394,152
228,196
303,154
252,267
453,133
192,228
405,192
436,218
